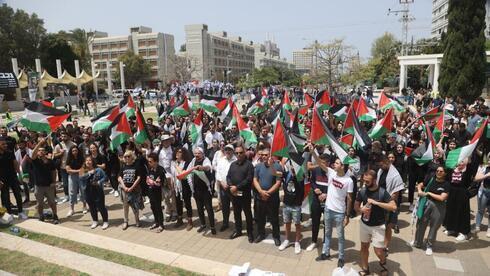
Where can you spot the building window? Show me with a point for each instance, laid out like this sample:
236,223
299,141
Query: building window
141,43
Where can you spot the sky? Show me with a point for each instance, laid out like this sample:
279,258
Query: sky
293,24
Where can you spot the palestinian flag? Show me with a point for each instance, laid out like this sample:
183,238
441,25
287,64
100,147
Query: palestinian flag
256,106
298,140
288,117
274,115
307,199
353,126
457,155
141,134
383,126
182,108
309,103
347,141
245,132
340,112
196,130
323,101
428,155
281,143
226,116
127,105
119,131
41,118
364,111
48,102
286,102
432,114
298,164
105,119
325,137
213,104
386,102
439,127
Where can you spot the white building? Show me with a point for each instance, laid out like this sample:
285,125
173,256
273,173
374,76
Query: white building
217,53
157,48
440,18
303,60
267,54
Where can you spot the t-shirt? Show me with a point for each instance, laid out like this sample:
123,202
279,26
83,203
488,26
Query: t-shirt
437,187
338,187
42,172
129,173
382,179
293,190
7,169
377,216
265,176
319,179
156,177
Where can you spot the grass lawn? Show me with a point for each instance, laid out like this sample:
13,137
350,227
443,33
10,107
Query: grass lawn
21,264
103,254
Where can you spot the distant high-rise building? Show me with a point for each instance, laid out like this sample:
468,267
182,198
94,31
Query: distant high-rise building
303,60
267,55
156,48
440,18
216,54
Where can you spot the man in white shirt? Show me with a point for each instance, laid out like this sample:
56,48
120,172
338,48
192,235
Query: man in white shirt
223,163
212,134
165,155
337,209
61,151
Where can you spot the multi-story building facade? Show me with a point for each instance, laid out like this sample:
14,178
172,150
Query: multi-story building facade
303,60
216,54
440,18
267,54
156,48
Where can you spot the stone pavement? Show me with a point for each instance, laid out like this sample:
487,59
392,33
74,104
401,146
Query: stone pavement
450,257
67,258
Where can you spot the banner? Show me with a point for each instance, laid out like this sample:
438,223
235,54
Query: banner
8,80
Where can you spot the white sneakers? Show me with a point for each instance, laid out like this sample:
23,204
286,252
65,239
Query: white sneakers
94,225
147,200
105,225
112,191
411,207
283,245
70,213
311,247
428,251
116,193
461,237
84,210
488,233
297,248
22,215
286,243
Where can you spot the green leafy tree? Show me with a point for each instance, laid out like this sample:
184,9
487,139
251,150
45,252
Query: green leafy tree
80,40
384,59
136,69
464,61
20,37
55,46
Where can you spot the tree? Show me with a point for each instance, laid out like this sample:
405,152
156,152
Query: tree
184,67
384,52
270,76
136,69
80,41
329,59
20,36
55,46
464,61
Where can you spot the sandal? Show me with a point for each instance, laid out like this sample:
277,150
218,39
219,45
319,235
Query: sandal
384,270
125,226
364,272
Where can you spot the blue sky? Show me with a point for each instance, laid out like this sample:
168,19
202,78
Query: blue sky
294,24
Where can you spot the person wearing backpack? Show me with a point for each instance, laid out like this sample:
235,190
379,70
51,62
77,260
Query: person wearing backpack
376,201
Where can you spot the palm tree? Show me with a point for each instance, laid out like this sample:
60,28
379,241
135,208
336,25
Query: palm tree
80,40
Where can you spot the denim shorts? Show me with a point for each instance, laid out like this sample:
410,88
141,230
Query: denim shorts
291,213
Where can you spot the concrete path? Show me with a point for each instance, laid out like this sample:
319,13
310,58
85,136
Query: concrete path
190,263
66,258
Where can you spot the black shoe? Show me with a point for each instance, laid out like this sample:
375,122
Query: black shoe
259,239
322,257
41,218
55,220
213,231
168,219
340,263
201,228
173,218
277,242
178,223
396,229
223,227
235,235
250,238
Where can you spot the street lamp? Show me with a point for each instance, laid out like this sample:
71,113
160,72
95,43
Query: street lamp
227,67
121,69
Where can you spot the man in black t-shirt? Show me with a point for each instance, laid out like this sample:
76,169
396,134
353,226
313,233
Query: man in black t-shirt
9,168
375,202
44,173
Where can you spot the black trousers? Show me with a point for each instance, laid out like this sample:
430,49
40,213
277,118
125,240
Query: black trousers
155,196
243,203
184,200
225,198
96,202
412,182
204,200
5,197
316,215
268,209
113,180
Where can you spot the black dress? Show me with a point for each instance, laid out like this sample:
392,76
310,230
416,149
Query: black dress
457,218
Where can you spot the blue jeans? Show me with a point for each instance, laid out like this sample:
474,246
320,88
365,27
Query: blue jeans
332,217
75,186
64,179
483,201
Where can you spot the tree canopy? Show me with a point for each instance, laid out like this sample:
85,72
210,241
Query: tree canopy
136,69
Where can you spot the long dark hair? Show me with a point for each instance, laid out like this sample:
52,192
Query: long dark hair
72,159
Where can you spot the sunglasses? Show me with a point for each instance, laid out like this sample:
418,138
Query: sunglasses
127,156
239,152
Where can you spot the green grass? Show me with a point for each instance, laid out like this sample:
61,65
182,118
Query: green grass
103,254
21,264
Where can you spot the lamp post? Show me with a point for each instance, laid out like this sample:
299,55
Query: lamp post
94,80
121,69
227,66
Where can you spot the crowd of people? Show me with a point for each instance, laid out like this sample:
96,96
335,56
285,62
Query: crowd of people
169,168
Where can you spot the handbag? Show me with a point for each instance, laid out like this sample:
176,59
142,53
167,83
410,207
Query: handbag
472,190
423,201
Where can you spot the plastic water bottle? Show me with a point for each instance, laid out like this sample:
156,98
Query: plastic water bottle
367,215
15,230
